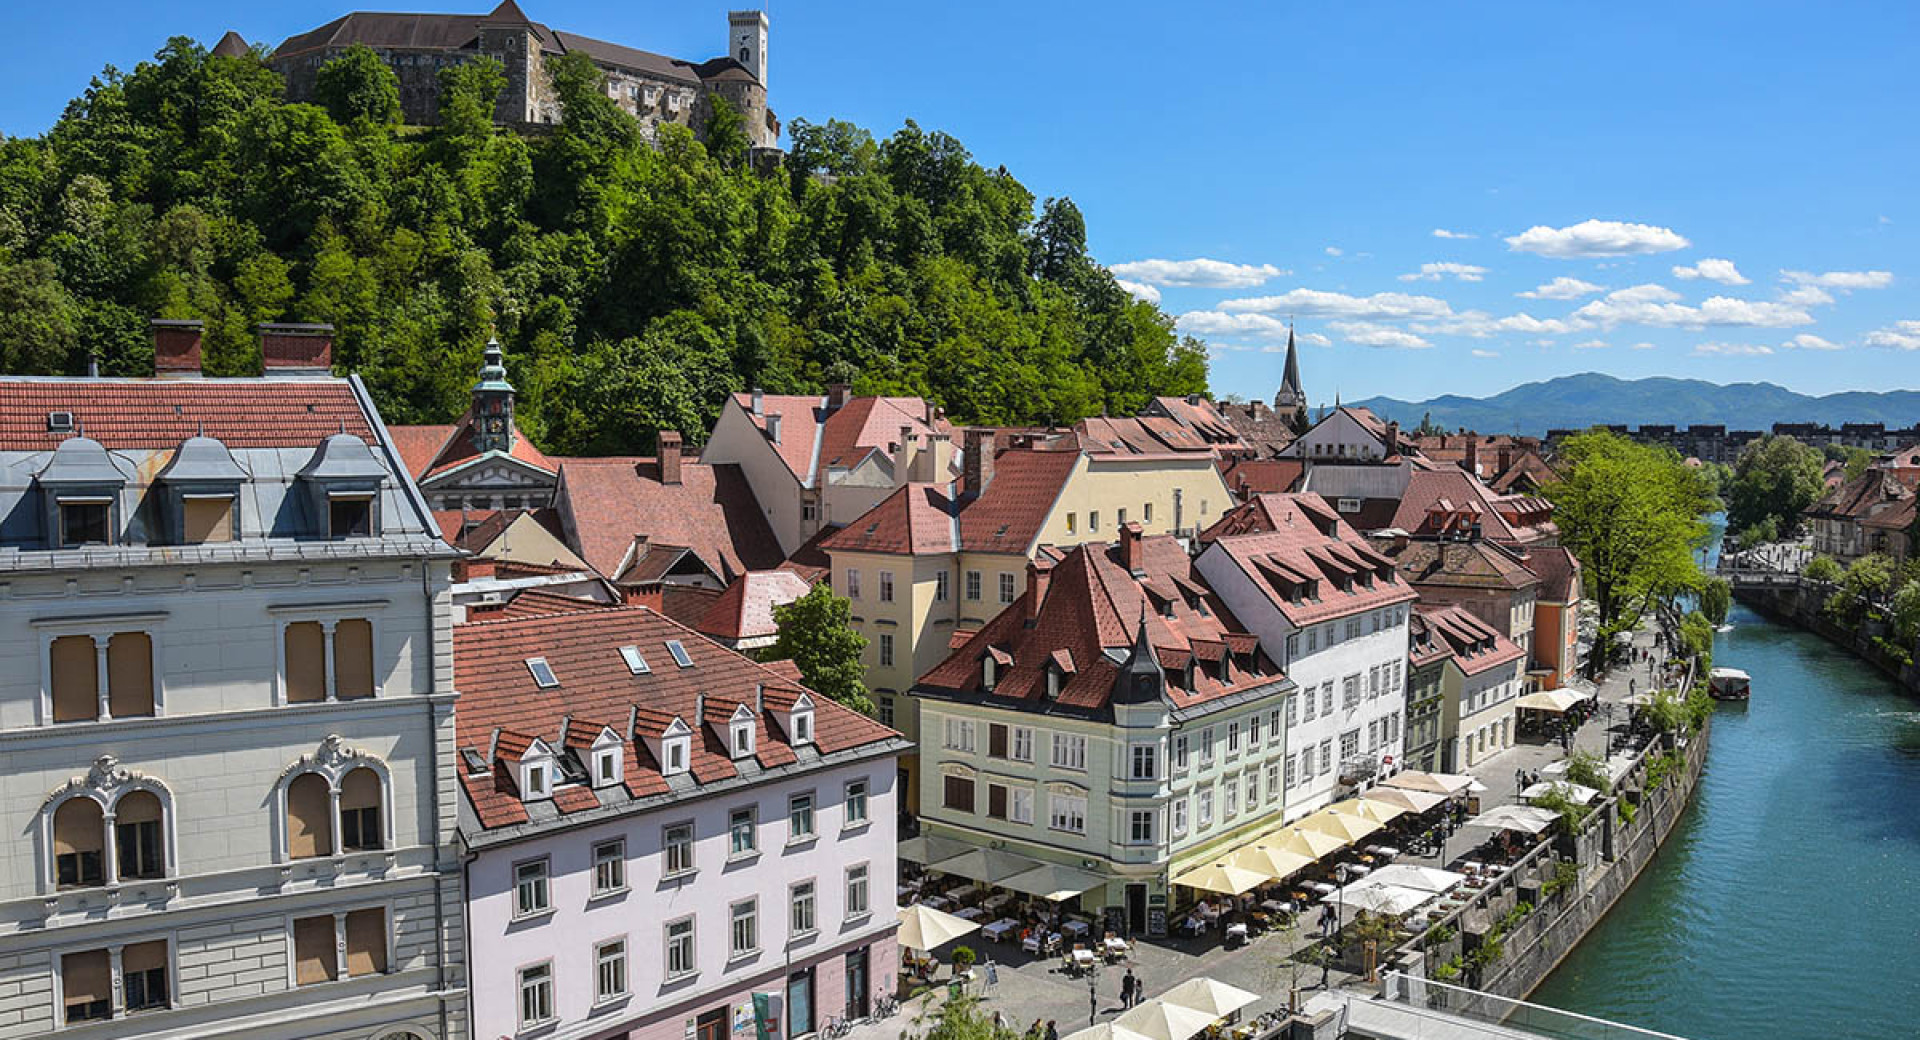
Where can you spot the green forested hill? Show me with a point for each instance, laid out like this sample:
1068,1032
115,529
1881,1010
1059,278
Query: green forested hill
633,283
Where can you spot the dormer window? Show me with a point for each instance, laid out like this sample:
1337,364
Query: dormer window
635,663
679,653
349,516
344,479
1053,683
803,727
987,671
677,755
740,732
536,781
606,767
542,673
85,521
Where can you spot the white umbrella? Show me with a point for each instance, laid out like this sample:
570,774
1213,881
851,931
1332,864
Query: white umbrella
1209,996
985,865
1052,882
1411,875
924,928
1378,899
1163,1021
1368,808
1549,700
1107,1031
1410,800
1339,824
1524,818
931,848
1448,784
1579,793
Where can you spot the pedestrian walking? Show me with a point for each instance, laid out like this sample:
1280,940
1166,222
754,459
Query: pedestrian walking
999,1021
993,973
1126,989
1139,990
1053,1031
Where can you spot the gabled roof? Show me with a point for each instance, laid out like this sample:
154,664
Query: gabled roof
607,506
1263,476
814,440
1529,472
745,609
915,520
1151,435
1299,553
1443,495
1475,563
1474,645
582,646
160,414
452,447
1200,415
920,519
1085,627
1862,496
1558,570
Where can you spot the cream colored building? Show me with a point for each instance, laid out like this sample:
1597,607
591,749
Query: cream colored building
226,734
1483,676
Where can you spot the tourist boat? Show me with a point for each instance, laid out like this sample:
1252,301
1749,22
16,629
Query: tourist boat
1729,684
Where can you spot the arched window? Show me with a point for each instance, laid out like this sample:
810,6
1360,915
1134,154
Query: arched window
362,827
309,816
139,844
79,843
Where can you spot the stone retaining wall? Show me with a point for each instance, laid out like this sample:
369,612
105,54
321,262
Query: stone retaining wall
1800,604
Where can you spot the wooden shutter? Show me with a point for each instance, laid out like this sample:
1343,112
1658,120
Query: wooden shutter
207,520
79,826
360,790
144,956
314,952
76,679
366,942
996,801
309,816
130,675
353,658
306,662
86,977
959,793
137,807
997,741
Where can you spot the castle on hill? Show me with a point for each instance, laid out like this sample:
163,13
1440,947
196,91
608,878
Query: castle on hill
653,88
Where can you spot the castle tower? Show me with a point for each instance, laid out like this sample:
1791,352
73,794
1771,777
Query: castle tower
493,404
747,35
1290,400
507,36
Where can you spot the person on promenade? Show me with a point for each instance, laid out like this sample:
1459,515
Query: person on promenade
1053,1031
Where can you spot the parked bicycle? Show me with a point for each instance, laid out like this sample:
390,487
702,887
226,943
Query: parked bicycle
837,1027
885,1006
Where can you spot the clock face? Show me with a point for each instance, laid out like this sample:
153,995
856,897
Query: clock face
496,425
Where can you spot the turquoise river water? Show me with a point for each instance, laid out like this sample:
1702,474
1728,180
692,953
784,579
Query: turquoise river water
1787,902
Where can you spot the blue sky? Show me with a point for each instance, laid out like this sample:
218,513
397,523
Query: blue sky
1717,190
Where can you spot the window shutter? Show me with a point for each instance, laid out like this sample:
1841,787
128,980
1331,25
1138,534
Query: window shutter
79,826
146,956
207,520
366,942
130,675
360,790
353,658
314,956
86,977
306,662
76,679
137,807
309,816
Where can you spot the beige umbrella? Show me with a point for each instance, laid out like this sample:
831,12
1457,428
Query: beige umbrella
1052,882
1549,700
1107,1031
1311,843
1270,860
1347,828
1209,997
1448,784
924,928
988,866
1223,878
1378,812
1412,801
1163,1021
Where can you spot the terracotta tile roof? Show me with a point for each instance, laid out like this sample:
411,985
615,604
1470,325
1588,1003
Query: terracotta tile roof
607,505
1474,645
541,603
1558,570
1006,518
498,693
809,560
916,519
687,604
1263,476
1085,627
1899,517
1861,497
1464,564
1299,552
745,609
460,450
1200,415
160,413
419,446
1147,435
813,440
1529,472
1424,644
473,529
1446,500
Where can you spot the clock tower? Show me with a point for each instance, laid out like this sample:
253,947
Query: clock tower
493,404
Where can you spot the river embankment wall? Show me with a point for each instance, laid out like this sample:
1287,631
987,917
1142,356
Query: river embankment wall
1802,603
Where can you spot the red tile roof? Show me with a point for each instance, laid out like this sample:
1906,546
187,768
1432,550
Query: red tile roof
838,439
1299,552
432,450
1864,495
1147,435
1090,614
608,504
419,446
1445,499
1263,476
916,519
1006,518
745,609
1202,416
1558,570
1474,645
160,413
498,693
1467,564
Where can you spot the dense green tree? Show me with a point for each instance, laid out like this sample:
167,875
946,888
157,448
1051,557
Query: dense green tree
1631,513
358,87
1716,599
1906,613
1856,459
816,634
1866,581
1822,568
1775,478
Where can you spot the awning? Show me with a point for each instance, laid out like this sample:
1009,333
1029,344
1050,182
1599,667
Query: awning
1523,818
1209,997
930,849
1271,860
1368,809
1052,882
1549,700
1379,899
923,928
1412,875
987,866
1580,794
1312,843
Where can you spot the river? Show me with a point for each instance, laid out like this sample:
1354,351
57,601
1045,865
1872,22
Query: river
1787,902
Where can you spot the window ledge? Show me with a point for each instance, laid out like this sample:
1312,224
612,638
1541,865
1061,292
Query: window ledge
803,840
680,976
855,825
609,894
680,875
803,937
743,857
860,918
532,915
736,956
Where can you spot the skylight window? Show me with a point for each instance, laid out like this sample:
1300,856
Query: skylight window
635,663
542,672
679,653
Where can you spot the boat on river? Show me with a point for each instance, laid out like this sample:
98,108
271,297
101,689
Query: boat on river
1729,684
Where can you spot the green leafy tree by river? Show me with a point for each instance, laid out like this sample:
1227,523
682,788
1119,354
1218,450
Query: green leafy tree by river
635,283
1775,479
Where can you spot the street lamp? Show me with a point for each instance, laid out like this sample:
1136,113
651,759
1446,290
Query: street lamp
1093,993
1339,905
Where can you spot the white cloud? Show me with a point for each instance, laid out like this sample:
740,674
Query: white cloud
1643,345
1378,307
1721,271
1439,271
1486,353
1214,323
1592,344
1334,251
1441,232
1199,272
1807,296
1561,288
1316,339
1809,341
1140,290
1369,334
1596,238
1843,280
1732,350
1480,325
1901,335
1653,305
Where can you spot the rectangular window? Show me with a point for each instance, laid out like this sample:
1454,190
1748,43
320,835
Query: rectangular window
800,817
1093,520
315,958
1006,589
886,711
610,970
958,791
1373,734
886,650
1233,737
1350,691
1293,646
1146,762
856,803
75,664
636,663
530,894
366,942
85,523
1179,816
536,995
1022,805
1180,753
743,932
960,735
1070,751
609,867
996,740
1120,517
143,975
1067,812
1326,697
1373,681
676,842
742,836
86,982
1073,524
1253,731
206,518
1230,799
853,583
1253,791
350,516
800,908
973,586
996,801
679,937
886,586
1140,826
679,653
858,905
940,582
1326,756
1022,744
1203,808
1349,744
1206,747
1313,639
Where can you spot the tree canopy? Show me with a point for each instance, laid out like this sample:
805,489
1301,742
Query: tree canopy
1775,479
816,634
635,282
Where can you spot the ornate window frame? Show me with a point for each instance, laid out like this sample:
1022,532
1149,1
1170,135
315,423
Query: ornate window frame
102,627
328,616
105,783
332,761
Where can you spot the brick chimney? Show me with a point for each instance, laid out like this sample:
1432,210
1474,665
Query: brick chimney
903,458
473,568
1039,576
1393,438
1506,457
176,348
1131,555
976,470
296,349
837,394
1472,462
647,595
670,456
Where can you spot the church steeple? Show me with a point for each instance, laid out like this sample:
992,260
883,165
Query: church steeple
1291,401
492,409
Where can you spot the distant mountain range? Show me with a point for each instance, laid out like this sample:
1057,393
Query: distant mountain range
1587,399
